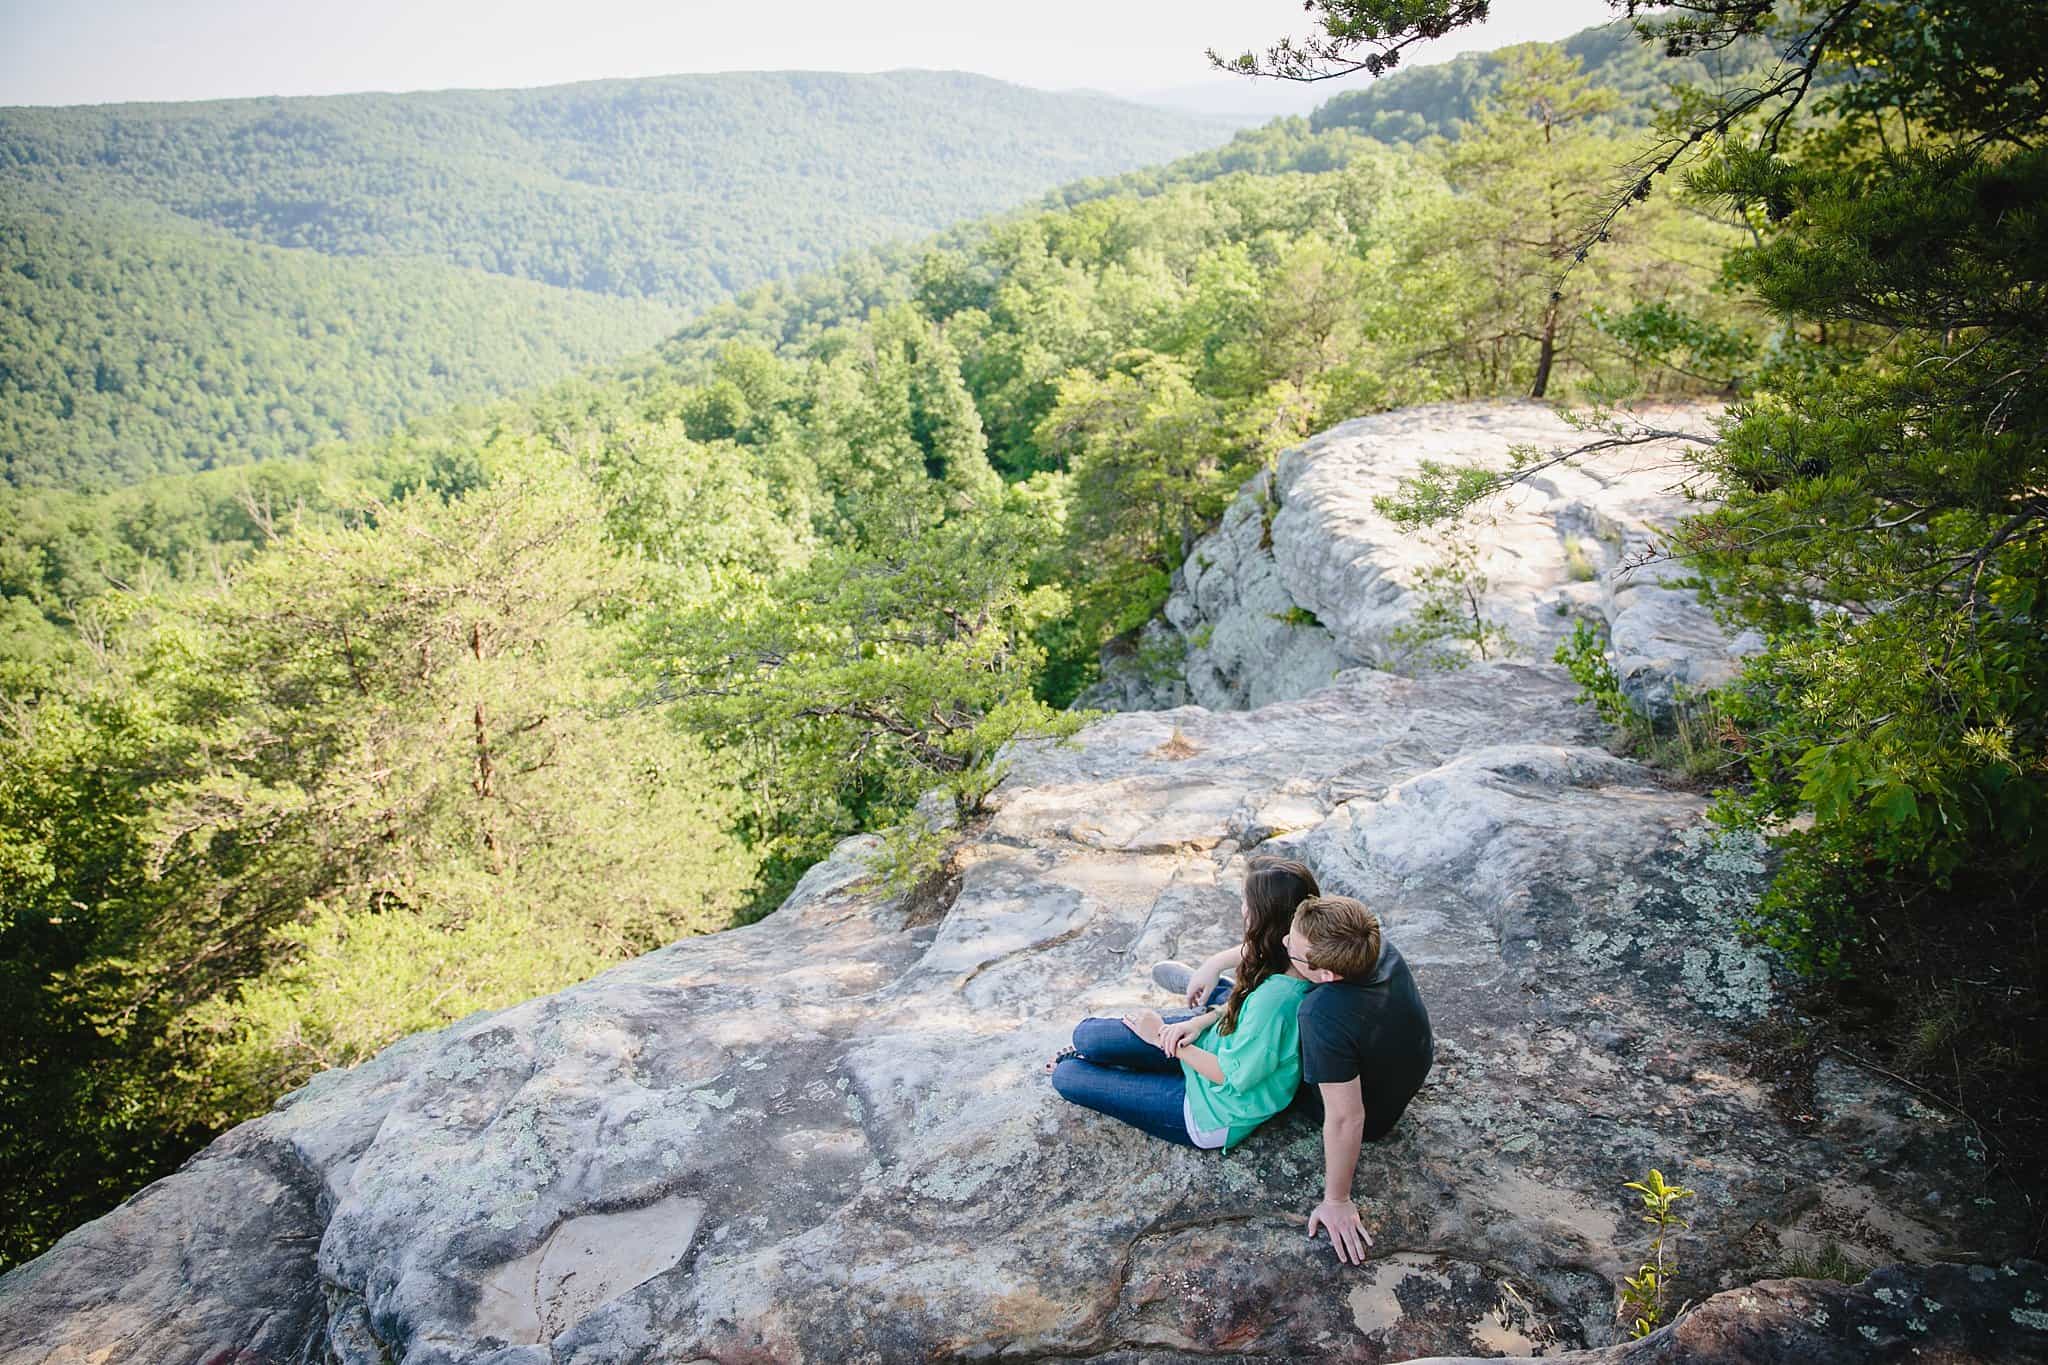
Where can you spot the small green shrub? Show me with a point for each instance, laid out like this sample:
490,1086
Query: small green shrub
1297,616
1584,656
909,853
1703,741
1577,563
1830,1262
1160,660
1645,1294
1452,591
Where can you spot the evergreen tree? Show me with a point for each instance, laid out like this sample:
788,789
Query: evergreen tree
361,788
946,424
1533,161
886,667
1152,461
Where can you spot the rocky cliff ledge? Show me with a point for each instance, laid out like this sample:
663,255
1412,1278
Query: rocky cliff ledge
826,1137
1305,577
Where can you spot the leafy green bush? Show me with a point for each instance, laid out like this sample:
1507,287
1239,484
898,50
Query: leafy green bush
1584,656
1912,758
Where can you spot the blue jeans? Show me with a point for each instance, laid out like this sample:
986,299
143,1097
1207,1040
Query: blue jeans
1121,1075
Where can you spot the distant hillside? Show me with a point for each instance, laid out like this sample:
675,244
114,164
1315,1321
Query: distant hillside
193,285
678,188
137,343
1281,147
1422,101
1240,99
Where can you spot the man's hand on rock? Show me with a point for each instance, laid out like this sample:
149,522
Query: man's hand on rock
1347,1233
1146,1024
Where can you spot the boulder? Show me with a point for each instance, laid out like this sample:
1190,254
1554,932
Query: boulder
828,1136
1983,1314
1305,577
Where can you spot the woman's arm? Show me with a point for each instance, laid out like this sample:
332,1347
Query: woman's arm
1203,1063
1249,1054
1174,1037
1212,968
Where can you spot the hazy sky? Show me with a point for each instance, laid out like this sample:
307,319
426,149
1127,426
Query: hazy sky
99,51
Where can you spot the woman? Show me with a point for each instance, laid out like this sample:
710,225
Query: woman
1207,1080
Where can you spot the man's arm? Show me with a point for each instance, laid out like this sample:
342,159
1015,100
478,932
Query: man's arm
1343,1133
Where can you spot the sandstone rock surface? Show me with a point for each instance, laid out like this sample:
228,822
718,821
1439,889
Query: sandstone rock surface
1304,577
826,1137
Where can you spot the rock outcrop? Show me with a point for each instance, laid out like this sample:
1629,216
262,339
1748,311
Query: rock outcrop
1304,577
1982,1314
827,1136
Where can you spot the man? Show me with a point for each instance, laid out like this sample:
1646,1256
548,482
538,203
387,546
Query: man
1365,1042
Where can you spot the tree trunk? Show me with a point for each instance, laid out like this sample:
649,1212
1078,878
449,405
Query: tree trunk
1547,354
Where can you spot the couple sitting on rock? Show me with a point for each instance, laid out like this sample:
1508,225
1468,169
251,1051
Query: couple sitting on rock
1322,1012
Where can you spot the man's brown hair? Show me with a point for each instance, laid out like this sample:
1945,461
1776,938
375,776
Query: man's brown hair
1343,935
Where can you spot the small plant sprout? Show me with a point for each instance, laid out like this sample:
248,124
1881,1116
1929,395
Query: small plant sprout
1576,561
1177,746
1645,1293
1296,616
1450,594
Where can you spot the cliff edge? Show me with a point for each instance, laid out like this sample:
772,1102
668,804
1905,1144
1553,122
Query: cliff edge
827,1136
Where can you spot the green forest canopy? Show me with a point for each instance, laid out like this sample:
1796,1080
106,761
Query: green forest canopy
837,542
137,343
187,286
676,188
827,550
1428,101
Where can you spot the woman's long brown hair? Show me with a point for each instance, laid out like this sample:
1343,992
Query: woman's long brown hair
1272,888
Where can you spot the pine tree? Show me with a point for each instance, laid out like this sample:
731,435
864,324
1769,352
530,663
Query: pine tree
1531,165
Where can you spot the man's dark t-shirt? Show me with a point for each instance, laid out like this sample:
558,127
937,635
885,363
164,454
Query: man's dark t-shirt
1373,1028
